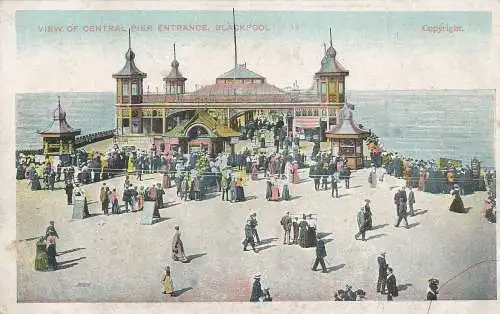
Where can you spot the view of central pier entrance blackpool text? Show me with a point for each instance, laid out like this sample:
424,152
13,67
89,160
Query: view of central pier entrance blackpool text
157,161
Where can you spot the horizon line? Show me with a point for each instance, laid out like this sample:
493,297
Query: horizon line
355,90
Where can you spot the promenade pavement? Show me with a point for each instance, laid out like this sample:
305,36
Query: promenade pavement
115,259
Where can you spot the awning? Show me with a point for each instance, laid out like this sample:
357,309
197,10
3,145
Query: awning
306,122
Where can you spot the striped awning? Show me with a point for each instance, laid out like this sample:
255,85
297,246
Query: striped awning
306,122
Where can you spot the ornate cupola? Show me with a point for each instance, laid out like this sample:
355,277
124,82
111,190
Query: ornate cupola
59,137
330,79
129,80
175,83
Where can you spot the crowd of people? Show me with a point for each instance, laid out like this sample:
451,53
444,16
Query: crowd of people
198,174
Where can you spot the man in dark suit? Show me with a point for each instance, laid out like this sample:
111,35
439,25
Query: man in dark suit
400,200
256,289
361,224
320,254
392,288
382,273
432,292
335,188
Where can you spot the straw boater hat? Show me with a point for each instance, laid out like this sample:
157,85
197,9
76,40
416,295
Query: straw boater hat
433,281
257,276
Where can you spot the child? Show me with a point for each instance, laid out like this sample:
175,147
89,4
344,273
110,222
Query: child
168,286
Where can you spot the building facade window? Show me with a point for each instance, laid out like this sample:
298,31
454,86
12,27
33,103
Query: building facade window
323,88
135,89
125,89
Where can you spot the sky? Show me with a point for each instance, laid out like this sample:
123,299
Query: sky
382,50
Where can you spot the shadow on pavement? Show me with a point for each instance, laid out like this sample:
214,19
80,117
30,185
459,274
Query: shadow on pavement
379,226
323,234
170,204
71,251
266,241
421,212
376,236
342,195
295,197
194,256
28,239
405,286
327,240
335,268
413,225
181,291
262,248
159,220
60,267
71,261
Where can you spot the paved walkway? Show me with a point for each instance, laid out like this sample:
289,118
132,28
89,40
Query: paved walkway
115,259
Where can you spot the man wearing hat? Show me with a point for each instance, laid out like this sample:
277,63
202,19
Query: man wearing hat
286,223
361,223
256,289
320,255
400,200
253,224
432,292
248,237
382,273
392,288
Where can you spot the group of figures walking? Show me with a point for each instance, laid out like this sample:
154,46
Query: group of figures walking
132,197
273,191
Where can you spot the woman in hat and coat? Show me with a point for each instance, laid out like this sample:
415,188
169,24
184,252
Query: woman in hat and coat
168,286
457,205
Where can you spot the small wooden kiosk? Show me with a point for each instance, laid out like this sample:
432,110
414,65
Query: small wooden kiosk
346,139
59,137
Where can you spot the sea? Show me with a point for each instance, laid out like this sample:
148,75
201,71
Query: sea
455,124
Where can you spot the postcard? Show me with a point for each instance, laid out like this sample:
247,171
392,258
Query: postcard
233,155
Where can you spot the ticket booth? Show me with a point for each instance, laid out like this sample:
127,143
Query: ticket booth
346,139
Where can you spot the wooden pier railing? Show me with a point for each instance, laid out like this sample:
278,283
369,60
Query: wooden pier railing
80,141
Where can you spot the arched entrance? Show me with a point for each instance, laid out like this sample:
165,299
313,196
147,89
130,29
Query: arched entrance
198,139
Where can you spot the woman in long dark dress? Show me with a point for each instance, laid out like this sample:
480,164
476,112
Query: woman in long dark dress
268,190
368,215
457,205
51,252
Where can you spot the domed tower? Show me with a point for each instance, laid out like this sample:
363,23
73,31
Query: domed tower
331,78
59,137
129,80
175,83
